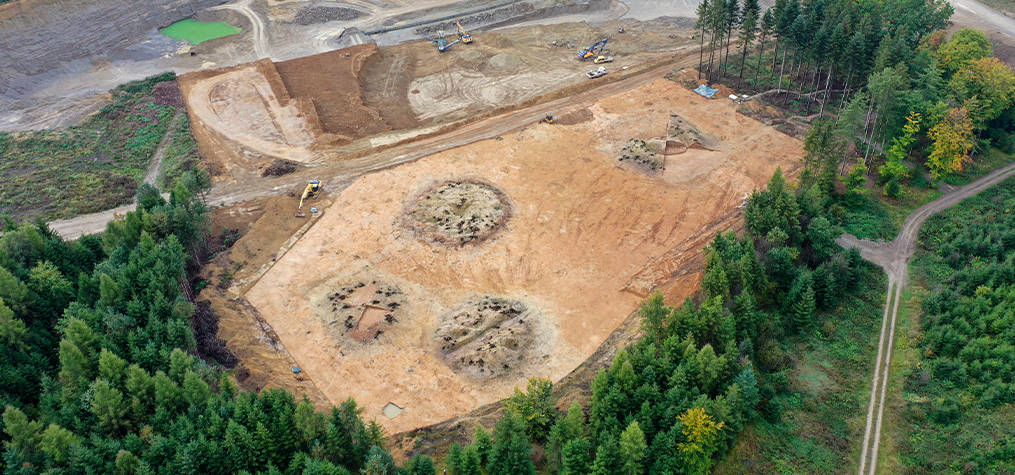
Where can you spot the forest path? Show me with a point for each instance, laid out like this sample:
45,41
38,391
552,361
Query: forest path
894,257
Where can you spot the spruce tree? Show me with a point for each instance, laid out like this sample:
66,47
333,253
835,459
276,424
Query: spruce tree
632,450
511,448
576,460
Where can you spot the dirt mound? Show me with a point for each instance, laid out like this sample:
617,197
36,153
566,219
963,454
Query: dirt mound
167,93
486,337
457,213
575,117
312,14
360,309
505,61
681,136
638,153
280,167
329,81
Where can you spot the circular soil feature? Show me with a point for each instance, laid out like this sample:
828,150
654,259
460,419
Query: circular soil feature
457,213
361,310
486,337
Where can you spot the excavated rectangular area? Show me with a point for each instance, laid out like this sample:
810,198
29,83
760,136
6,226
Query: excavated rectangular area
587,238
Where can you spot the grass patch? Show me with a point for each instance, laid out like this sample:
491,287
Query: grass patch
825,404
95,165
181,155
984,163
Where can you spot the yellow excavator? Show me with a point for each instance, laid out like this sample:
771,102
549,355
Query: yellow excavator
462,34
311,191
546,120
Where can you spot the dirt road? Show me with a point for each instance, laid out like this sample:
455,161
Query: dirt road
338,175
894,258
982,16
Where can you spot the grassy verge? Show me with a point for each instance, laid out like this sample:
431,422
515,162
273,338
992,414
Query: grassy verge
95,165
824,402
982,164
181,155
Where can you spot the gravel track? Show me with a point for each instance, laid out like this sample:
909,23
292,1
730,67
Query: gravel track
894,257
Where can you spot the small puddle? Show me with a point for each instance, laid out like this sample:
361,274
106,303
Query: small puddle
391,410
195,32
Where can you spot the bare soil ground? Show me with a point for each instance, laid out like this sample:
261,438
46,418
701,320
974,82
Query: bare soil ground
325,80
318,109
588,238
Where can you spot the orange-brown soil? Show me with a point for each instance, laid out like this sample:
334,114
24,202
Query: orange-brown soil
587,239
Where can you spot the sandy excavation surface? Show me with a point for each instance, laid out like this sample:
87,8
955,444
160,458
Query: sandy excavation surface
314,110
587,237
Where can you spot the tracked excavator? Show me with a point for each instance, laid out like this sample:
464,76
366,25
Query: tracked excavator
442,42
463,35
546,120
311,191
594,51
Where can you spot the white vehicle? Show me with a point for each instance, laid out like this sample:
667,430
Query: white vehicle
597,73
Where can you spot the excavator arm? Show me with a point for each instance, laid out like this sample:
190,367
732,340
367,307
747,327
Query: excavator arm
592,51
463,35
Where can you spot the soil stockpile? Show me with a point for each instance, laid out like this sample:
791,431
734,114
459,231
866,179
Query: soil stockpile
330,81
312,14
457,213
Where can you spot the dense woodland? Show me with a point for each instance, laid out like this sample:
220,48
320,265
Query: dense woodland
960,391
899,88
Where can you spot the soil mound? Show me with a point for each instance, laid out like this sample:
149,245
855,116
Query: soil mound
312,14
486,337
361,309
280,167
505,61
575,117
457,213
638,153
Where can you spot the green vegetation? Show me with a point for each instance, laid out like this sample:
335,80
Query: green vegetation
98,164
97,372
196,32
959,388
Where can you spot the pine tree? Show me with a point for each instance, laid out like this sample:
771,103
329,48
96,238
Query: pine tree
748,32
576,460
802,302
607,460
510,453
632,449
421,465
483,444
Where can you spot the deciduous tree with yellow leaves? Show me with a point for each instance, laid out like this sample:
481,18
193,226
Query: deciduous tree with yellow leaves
701,433
953,140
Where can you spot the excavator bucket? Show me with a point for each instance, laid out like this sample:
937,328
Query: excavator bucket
300,214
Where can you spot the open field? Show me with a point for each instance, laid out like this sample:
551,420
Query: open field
586,239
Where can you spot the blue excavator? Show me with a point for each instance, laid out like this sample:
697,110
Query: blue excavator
442,42
594,51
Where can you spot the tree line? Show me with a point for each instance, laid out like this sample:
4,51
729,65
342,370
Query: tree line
676,400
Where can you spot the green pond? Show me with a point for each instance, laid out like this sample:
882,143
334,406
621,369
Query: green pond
196,32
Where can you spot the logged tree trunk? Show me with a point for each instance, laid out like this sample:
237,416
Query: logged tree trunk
828,82
701,49
757,71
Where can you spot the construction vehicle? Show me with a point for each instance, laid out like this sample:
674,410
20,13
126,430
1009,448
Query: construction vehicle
462,34
593,51
311,191
603,59
598,73
441,41
546,120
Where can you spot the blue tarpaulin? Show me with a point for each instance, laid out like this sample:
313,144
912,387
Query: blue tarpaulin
705,91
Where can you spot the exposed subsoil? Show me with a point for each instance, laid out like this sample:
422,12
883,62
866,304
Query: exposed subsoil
328,81
574,231
280,167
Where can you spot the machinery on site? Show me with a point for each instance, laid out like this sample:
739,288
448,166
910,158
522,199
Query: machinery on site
546,120
312,190
598,73
603,59
593,51
463,35
442,42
